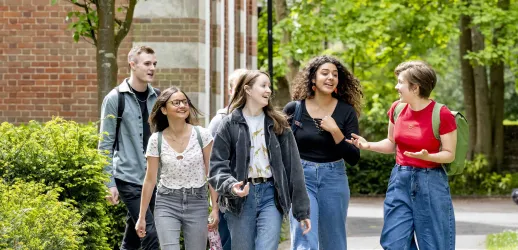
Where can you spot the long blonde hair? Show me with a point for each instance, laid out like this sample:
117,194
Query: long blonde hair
239,100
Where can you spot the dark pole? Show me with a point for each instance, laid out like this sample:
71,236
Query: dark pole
270,42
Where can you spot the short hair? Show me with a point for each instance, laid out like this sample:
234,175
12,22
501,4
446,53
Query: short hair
137,50
234,76
418,73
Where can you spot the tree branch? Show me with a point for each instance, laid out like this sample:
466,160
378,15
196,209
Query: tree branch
78,4
125,26
118,21
92,32
86,40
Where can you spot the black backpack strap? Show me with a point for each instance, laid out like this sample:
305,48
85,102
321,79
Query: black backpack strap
295,121
120,111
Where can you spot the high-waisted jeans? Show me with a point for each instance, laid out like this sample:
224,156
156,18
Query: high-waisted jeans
328,190
183,209
418,201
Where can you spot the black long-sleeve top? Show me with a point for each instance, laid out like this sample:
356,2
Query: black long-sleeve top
319,146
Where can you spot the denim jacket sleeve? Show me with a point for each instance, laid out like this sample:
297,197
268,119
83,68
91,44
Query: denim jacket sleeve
295,173
220,176
107,129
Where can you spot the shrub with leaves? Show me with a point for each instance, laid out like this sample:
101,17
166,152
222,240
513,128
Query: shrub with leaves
63,154
31,217
370,176
478,180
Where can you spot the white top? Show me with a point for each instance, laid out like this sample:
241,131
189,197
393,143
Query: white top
188,172
259,160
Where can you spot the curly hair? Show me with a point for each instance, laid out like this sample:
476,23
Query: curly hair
158,121
349,89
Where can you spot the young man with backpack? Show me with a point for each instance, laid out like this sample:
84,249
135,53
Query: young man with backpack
124,124
213,128
430,142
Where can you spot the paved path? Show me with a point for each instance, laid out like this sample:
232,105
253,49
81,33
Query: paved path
475,219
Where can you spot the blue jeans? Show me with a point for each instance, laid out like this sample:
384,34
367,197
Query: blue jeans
259,225
224,233
418,201
329,194
186,209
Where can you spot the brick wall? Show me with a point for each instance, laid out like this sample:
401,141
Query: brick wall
44,73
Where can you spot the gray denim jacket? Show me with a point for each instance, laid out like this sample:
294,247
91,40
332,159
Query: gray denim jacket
231,156
129,163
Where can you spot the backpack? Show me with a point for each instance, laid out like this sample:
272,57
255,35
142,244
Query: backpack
295,120
200,142
461,150
120,110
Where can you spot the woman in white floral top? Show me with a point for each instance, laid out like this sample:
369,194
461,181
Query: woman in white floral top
181,201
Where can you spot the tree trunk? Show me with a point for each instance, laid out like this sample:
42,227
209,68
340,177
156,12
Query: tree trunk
468,84
106,51
497,95
282,95
483,106
284,89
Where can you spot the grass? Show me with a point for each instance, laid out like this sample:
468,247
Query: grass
506,240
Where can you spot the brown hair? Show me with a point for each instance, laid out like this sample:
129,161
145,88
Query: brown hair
418,73
233,77
349,89
238,100
137,50
158,121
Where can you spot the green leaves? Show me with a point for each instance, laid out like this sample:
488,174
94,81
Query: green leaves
32,217
83,24
61,154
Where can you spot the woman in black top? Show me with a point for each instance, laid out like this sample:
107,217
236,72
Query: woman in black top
329,98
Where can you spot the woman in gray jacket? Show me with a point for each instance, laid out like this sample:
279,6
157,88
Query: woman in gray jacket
255,167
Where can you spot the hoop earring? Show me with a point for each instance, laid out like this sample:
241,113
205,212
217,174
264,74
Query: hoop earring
313,88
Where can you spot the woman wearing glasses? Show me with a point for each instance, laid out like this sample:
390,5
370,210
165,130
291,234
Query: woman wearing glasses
183,151
328,98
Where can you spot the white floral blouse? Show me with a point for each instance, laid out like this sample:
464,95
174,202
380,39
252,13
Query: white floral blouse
187,172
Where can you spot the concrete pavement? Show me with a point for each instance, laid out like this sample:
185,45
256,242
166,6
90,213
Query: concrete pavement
475,219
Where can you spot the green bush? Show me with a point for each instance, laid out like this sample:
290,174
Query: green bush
478,180
507,240
63,154
370,176
31,217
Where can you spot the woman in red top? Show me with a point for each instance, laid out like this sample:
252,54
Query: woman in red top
418,197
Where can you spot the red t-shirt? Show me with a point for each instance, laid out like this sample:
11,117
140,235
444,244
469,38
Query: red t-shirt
413,132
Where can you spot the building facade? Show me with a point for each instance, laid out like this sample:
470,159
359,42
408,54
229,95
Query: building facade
44,73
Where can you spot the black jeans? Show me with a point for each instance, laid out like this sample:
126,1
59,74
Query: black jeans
130,194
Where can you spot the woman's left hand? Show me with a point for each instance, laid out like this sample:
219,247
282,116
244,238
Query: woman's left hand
215,219
423,154
329,124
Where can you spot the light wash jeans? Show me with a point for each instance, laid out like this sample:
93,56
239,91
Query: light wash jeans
418,201
183,209
259,225
329,194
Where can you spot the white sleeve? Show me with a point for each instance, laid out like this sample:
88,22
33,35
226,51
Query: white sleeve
152,146
206,137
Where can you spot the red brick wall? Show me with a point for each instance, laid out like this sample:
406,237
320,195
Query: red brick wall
44,73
